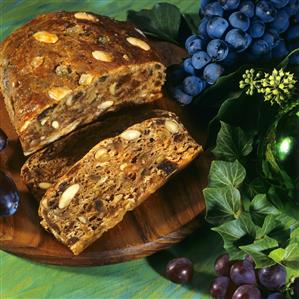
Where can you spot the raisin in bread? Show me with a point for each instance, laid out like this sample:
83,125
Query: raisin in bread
64,69
44,167
114,177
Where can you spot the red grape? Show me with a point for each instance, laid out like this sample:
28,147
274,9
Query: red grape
219,287
3,140
296,287
247,291
180,270
242,272
276,296
222,265
9,196
272,278
250,259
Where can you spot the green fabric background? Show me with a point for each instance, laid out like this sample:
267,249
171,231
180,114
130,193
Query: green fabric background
20,278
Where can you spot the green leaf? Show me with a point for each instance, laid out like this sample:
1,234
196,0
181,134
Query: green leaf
261,205
236,233
270,223
222,204
284,63
164,21
224,174
256,249
277,255
232,143
291,256
192,19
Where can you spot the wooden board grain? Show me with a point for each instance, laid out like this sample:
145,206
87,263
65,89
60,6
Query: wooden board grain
165,218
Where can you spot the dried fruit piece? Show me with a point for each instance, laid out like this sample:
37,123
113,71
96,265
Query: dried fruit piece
58,93
85,79
37,61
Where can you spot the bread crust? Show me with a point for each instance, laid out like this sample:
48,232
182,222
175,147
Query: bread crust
58,55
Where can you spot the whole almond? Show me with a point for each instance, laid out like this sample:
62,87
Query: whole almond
46,37
102,56
171,126
138,43
130,134
85,16
68,195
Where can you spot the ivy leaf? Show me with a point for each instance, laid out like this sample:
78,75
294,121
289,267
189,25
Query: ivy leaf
291,255
232,143
284,63
270,223
236,233
224,174
277,255
192,19
222,204
164,21
257,250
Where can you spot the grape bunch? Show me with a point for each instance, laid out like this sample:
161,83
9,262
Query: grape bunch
240,280
234,32
9,196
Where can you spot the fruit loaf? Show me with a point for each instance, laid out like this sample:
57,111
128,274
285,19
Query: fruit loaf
65,69
114,177
44,167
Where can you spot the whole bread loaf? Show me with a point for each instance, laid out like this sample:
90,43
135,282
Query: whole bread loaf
43,168
64,69
114,177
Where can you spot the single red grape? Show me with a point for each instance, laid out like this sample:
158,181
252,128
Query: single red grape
219,287
222,265
242,272
9,196
276,295
3,140
180,270
272,278
296,287
247,291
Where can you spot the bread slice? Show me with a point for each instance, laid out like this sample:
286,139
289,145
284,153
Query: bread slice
65,69
114,177
43,168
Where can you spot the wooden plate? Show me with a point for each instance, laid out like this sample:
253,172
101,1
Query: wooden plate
165,218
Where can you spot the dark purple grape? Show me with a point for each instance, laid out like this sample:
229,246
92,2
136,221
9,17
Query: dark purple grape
9,196
276,295
3,140
250,259
296,287
222,265
247,291
272,278
180,270
219,287
242,272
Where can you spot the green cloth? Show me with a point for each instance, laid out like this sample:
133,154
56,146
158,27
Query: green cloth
21,278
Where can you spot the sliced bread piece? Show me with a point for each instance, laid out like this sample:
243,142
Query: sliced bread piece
43,168
114,177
